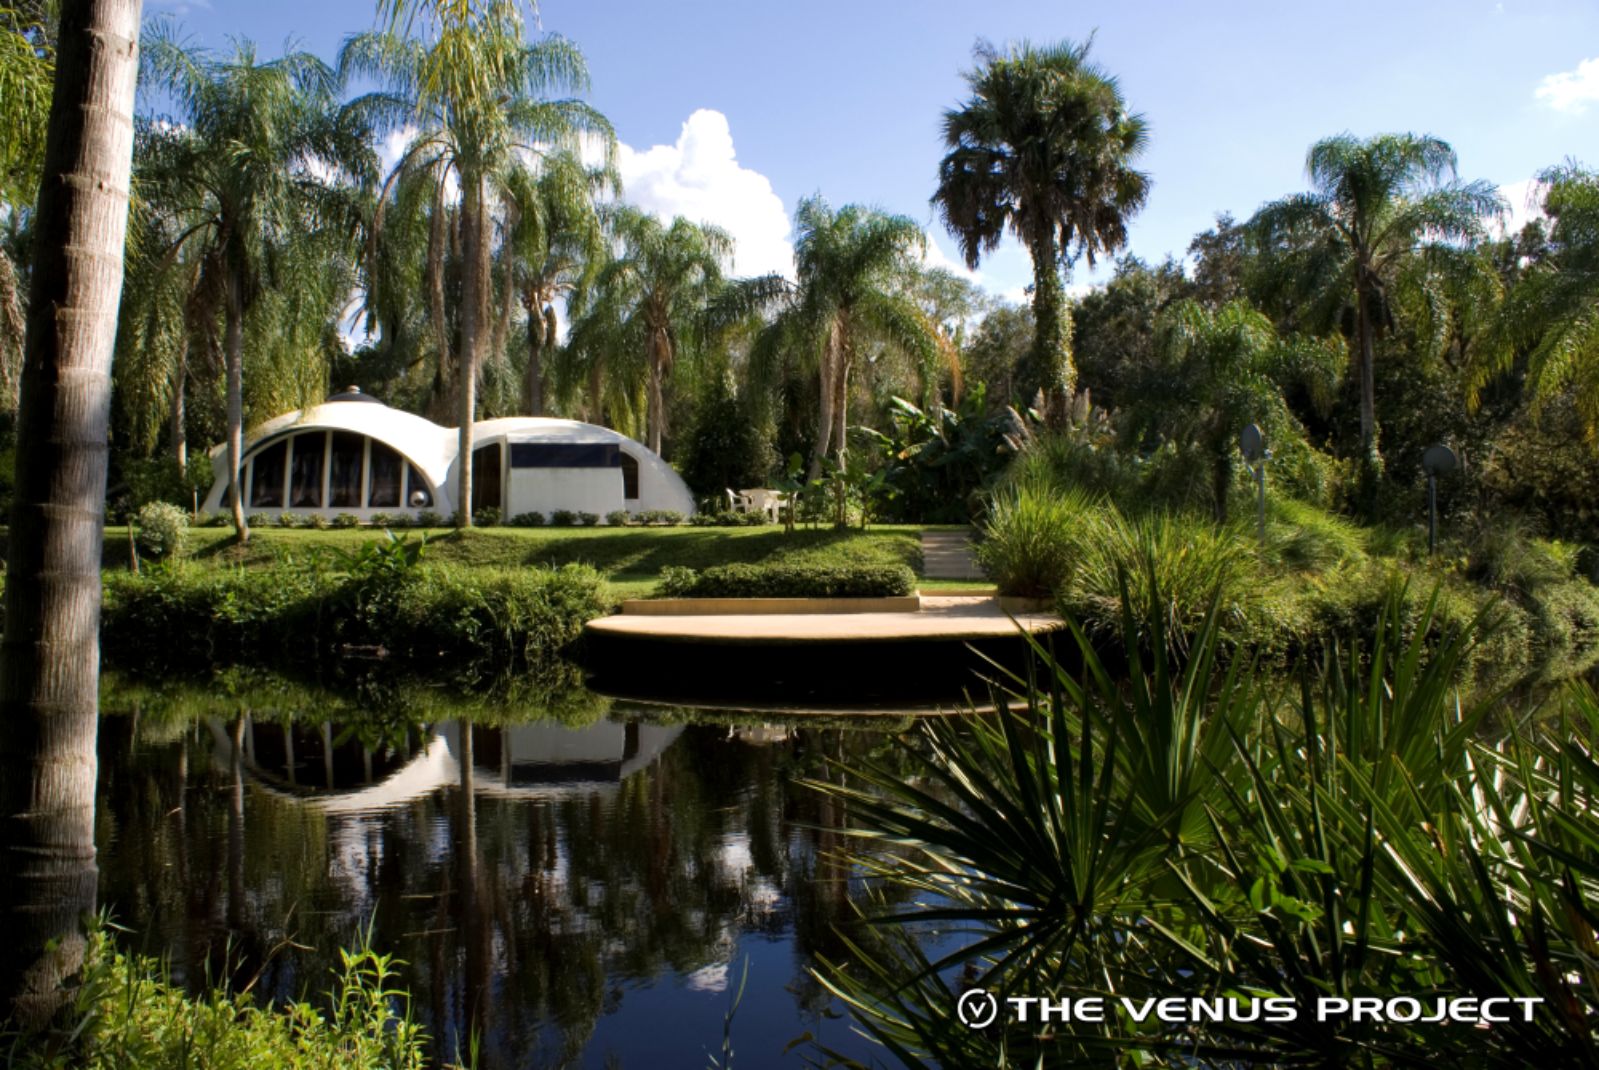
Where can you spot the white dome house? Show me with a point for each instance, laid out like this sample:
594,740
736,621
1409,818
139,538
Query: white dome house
353,454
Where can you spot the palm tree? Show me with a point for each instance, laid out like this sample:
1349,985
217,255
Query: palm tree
647,301
1551,315
1216,371
555,245
245,172
476,93
856,271
1376,203
1043,147
50,655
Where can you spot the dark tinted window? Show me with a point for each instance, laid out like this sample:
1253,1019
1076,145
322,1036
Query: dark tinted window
344,469
486,477
564,455
385,492
305,478
266,483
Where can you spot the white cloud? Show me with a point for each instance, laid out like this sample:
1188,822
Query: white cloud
701,179
1571,91
1524,200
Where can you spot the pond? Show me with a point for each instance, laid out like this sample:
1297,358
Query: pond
588,894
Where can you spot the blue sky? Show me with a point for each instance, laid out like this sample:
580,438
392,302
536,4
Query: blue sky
734,110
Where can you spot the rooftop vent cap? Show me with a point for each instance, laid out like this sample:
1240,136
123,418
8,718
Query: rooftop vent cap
353,393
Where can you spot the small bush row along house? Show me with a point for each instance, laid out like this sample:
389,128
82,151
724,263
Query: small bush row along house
353,454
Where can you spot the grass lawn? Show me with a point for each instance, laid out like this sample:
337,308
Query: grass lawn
631,558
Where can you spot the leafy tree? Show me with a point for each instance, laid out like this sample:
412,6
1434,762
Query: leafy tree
855,266
935,464
1551,315
243,175
1115,327
1044,147
727,446
1338,250
554,246
647,302
996,351
1214,372
26,72
476,93
50,656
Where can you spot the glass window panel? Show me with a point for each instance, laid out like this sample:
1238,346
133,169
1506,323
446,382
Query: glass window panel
266,485
344,470
305,477
386,470
417,494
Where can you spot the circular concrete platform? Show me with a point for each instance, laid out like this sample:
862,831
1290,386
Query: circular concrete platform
942,617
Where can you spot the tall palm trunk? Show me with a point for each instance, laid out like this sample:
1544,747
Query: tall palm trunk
533,385
1370,454
828,370
233,357
660,358
474,312
179,426
1051,356
50,654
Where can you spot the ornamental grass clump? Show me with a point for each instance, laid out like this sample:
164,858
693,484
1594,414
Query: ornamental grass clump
1036,536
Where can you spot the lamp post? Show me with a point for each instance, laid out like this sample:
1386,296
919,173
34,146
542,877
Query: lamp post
1253,444
1436,461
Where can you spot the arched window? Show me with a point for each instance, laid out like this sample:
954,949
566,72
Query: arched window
266,476
334,470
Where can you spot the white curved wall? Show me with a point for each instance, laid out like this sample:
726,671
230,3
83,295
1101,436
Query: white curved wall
433,450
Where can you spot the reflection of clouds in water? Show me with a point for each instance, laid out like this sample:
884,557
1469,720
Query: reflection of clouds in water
712,978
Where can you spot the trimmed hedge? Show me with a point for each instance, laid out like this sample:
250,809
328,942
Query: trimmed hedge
788,581
293,611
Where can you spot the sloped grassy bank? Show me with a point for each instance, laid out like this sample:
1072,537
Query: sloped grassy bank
1316,578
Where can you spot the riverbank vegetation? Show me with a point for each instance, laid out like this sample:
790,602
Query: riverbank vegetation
1217,836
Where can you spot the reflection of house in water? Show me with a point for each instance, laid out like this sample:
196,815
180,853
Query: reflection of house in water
330,771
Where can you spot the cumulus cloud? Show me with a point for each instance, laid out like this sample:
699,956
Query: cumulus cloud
701,179
1524,201
1571,91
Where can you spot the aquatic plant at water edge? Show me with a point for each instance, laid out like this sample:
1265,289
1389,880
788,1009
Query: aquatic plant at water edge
1192,830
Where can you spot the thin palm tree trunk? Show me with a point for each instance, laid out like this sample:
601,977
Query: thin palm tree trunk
828,370
533,385
179,426
474,307
50,654
234,359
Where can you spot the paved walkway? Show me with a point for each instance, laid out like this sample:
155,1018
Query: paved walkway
941,617
947,555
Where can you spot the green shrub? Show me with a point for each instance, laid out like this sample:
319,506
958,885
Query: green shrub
617,518
129,1013
1566,623
1307,539
528,520
589,520
1034,537
660,517
254,520
288,520
163,530
346,520
487,517
1194,563
788,581
317,522
563,518
222,520
427,518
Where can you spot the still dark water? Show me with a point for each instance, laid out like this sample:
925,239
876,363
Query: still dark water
587,892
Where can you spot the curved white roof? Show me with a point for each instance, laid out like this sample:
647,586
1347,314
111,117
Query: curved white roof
433,449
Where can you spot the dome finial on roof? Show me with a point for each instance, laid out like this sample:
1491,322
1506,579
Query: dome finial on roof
352,393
